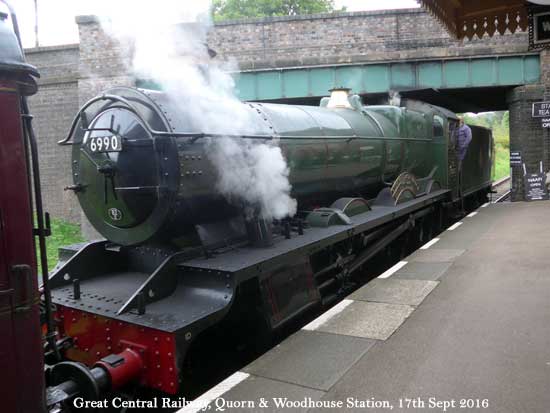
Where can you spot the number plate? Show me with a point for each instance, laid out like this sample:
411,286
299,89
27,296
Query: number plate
110,143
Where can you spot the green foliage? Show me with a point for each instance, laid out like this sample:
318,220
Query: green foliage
63,233
499,122
239,9
502,162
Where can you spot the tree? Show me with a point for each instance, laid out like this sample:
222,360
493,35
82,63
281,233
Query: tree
239,9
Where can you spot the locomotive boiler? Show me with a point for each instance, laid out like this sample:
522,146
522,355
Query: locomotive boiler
141,173
178,259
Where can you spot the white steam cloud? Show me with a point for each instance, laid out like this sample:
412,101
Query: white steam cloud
175,55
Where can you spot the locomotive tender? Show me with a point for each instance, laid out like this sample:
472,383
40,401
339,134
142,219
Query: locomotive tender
179,259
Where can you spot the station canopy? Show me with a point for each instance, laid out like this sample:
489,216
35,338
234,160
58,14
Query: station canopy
469,18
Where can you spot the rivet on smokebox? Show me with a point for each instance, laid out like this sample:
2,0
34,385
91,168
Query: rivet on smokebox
188,336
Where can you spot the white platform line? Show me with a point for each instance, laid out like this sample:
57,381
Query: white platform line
393,269
201,403
486,204
429,244
323,318
473,214
454,226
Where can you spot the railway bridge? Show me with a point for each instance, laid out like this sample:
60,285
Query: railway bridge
297,59
373,53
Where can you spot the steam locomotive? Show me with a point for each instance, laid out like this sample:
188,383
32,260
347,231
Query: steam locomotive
179,259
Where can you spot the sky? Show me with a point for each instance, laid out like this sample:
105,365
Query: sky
57,25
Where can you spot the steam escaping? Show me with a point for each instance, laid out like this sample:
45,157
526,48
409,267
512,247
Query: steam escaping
256,173
168,44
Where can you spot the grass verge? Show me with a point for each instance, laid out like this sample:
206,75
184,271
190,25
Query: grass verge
63,233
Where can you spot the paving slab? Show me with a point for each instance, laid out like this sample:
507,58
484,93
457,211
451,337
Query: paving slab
368,320
431,271
255,389
482,334
436,255
395,291
311,359
467,234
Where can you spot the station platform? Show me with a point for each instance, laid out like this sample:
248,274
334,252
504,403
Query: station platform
462,324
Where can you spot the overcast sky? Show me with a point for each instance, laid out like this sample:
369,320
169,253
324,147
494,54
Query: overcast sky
57,25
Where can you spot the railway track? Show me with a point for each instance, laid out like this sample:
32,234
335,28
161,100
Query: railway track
502,188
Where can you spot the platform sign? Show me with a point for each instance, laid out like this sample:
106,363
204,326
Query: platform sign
541,27
515,158
539,24
541,110
534,185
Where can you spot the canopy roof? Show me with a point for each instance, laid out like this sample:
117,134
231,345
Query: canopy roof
469,18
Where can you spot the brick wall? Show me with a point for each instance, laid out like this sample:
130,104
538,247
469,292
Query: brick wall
526,132
348,37
53,109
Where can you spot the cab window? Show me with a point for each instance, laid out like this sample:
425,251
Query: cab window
438,131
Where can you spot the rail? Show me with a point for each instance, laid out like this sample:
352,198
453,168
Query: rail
502,196
501,181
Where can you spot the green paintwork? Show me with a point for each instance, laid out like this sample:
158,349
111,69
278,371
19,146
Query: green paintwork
358,150
382,77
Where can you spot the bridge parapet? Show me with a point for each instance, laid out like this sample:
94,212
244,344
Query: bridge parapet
358,37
